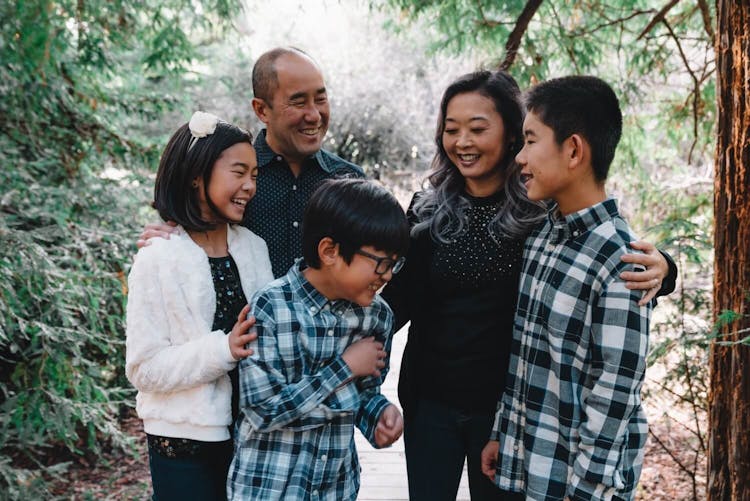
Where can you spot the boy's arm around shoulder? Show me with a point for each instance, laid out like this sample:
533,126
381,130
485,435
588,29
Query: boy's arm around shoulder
154,361
267,397
372,402
618,349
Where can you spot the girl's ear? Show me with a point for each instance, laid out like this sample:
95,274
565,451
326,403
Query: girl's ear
328,251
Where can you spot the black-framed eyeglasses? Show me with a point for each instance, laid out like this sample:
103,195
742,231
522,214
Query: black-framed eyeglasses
384,264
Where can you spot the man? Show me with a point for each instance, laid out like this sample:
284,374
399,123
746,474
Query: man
292,102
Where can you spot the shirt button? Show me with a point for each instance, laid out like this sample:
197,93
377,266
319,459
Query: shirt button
313,309
323,457
330,333
294,187
278,158
515,448
315,493
295,224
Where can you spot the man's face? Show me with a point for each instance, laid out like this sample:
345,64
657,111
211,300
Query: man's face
297,118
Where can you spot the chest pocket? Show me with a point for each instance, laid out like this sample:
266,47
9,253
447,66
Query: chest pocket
567,301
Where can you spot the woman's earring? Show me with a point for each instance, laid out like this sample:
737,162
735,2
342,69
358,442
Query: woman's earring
195,184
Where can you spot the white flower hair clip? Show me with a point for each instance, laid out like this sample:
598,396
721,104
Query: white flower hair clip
201,124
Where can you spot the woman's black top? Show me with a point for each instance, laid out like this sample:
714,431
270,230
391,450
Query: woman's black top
461,299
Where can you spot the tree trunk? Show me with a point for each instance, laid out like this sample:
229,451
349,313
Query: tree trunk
729,399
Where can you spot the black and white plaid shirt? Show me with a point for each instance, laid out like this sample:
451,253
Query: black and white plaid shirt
570,422
298,406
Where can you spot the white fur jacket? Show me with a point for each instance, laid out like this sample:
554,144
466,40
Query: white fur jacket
176,362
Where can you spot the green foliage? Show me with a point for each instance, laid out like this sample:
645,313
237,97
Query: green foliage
664,71
81,82
662,65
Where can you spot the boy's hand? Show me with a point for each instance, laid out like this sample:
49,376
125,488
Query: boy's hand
649,279
153,230
365,357
489,459
239,337
390,426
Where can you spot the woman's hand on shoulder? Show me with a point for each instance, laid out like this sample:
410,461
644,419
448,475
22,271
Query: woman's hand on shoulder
650,279
241,335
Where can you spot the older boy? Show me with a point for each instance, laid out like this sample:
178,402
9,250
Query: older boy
319,358
570,424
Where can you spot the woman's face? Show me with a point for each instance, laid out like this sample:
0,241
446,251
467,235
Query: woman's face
474,139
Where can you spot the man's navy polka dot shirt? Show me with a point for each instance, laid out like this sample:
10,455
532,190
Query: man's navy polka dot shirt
275,213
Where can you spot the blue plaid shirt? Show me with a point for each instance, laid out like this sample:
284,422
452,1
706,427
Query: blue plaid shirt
275,212
570,422
298,404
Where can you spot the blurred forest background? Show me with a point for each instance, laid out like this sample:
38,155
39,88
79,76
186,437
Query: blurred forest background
91,90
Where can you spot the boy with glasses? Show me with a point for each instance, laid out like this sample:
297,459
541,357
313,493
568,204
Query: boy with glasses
322,352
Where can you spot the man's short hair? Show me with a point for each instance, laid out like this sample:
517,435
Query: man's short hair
353,213
265,77
583,105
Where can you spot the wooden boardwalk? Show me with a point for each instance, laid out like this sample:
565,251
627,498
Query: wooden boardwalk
384,471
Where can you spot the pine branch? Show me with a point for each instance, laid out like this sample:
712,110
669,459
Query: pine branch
514,39
658,18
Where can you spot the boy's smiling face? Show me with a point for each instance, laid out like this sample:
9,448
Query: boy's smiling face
543,162
357,281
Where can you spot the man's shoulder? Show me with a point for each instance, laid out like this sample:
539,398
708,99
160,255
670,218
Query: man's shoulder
338,167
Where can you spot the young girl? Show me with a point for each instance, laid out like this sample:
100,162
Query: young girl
460,283
187,307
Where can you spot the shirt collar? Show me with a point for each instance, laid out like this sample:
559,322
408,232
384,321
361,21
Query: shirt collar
575,224
310,296
265,154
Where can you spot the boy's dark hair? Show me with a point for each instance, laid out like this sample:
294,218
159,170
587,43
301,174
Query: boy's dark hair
353,213
582,105
175,197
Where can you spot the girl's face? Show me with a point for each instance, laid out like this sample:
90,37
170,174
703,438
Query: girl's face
474,139
232,184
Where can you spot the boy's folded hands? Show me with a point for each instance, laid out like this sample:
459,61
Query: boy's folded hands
365,357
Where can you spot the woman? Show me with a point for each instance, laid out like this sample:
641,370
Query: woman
460,284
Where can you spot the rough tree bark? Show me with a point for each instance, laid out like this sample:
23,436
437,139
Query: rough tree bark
729,443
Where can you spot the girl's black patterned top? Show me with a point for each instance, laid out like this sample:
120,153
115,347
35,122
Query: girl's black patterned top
230,299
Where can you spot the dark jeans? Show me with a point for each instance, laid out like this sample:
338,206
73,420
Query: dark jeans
437,439
202,477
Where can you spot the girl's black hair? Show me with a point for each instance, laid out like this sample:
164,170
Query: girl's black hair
175,196
353,213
